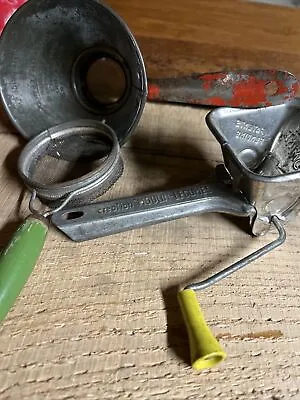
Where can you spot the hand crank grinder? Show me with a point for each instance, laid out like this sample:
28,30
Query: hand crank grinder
259,179
63,77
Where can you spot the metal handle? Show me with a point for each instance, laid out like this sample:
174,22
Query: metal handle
245,261
239,88
205,350
110,217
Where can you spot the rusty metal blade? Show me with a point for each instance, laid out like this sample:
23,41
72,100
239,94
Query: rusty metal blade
240,88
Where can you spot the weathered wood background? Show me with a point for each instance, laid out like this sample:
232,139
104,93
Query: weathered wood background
100,320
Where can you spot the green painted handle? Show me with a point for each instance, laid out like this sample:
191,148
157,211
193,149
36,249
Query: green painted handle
18,259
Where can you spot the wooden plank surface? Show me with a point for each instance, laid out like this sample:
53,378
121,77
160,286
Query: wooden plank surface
185,36
100,320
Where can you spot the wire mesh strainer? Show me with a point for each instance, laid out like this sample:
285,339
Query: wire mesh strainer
71,163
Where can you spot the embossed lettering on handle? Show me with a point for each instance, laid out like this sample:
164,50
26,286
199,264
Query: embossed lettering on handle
115,216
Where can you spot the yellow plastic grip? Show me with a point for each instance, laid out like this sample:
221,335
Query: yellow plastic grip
206,351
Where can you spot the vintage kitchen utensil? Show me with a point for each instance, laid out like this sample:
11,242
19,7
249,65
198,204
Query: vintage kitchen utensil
205,350
237,88
259,156
257,160
246,137
68,164
60,61
268,172
260,180
100,76
63,60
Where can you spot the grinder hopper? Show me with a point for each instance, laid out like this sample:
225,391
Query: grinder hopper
261,150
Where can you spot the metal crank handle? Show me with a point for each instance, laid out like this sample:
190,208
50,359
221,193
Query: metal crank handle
109,217
205,350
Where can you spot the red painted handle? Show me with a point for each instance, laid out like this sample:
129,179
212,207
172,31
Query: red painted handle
253,88
240,88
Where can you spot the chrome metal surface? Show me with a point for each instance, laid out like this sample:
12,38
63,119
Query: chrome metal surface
245,261
90,147
261,150
49,52
115,216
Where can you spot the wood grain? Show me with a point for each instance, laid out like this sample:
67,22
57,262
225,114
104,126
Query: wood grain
100,320
184,36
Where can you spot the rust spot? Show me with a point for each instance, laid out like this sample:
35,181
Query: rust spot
275,334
